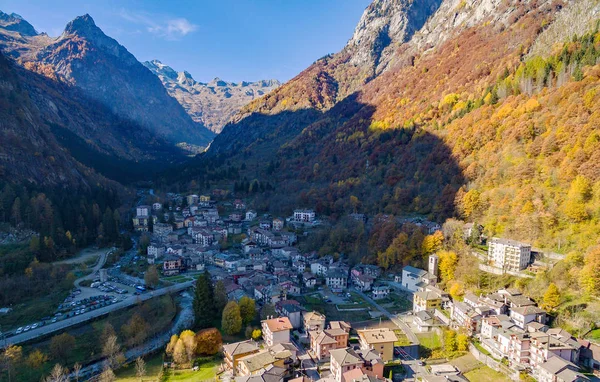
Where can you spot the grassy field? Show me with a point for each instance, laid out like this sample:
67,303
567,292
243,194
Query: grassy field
153,366
477,344
32,310
207,371
402,340
176,279
431,345
316,302
594,335
485,374
466,363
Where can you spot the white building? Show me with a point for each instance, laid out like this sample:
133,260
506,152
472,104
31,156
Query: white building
414,278
251,215
276,330
192,199
509,255
336,281
143,211
381,291
155,251
306,216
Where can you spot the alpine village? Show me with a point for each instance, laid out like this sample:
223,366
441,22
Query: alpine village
422,205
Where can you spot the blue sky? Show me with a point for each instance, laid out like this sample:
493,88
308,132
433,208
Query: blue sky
231,39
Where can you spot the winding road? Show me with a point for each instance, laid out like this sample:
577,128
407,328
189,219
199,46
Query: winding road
99,264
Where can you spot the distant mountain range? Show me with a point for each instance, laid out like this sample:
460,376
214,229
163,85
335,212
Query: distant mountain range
213,103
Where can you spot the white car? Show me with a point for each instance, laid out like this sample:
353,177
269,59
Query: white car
19,330
34,326
26,328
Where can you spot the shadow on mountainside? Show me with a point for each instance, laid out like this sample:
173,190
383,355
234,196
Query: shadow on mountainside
90,132
319,160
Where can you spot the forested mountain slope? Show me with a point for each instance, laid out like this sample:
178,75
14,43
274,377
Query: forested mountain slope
42,187
461,122
103,71
118,147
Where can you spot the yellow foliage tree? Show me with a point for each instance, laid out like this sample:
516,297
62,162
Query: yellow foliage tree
532,105
188,338
551,297
179,354
172,343
36,359
432,243
590,274
462,342
456,291
471,202
447,265
575,204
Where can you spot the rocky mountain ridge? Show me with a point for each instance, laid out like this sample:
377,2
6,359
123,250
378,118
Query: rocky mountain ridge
81,130
86,58
212,103
16,23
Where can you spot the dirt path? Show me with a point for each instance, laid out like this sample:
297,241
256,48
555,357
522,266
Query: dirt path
83,256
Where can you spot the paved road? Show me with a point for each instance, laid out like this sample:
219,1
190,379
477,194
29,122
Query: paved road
99,264
63,324
414,370
412,337
307,365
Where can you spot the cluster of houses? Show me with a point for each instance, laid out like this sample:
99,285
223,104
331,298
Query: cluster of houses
266,266
269,268
508,325
189,237
277,358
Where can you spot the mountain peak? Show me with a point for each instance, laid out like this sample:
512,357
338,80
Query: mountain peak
84,27
83,23
385,24
217,82
16,23
185,78
160,69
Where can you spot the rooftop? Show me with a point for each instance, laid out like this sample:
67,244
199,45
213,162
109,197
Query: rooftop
242,347
346,357
416,271
374,336
278,324
512,243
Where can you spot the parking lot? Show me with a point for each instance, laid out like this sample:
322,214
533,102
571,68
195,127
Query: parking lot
70,308
85,299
